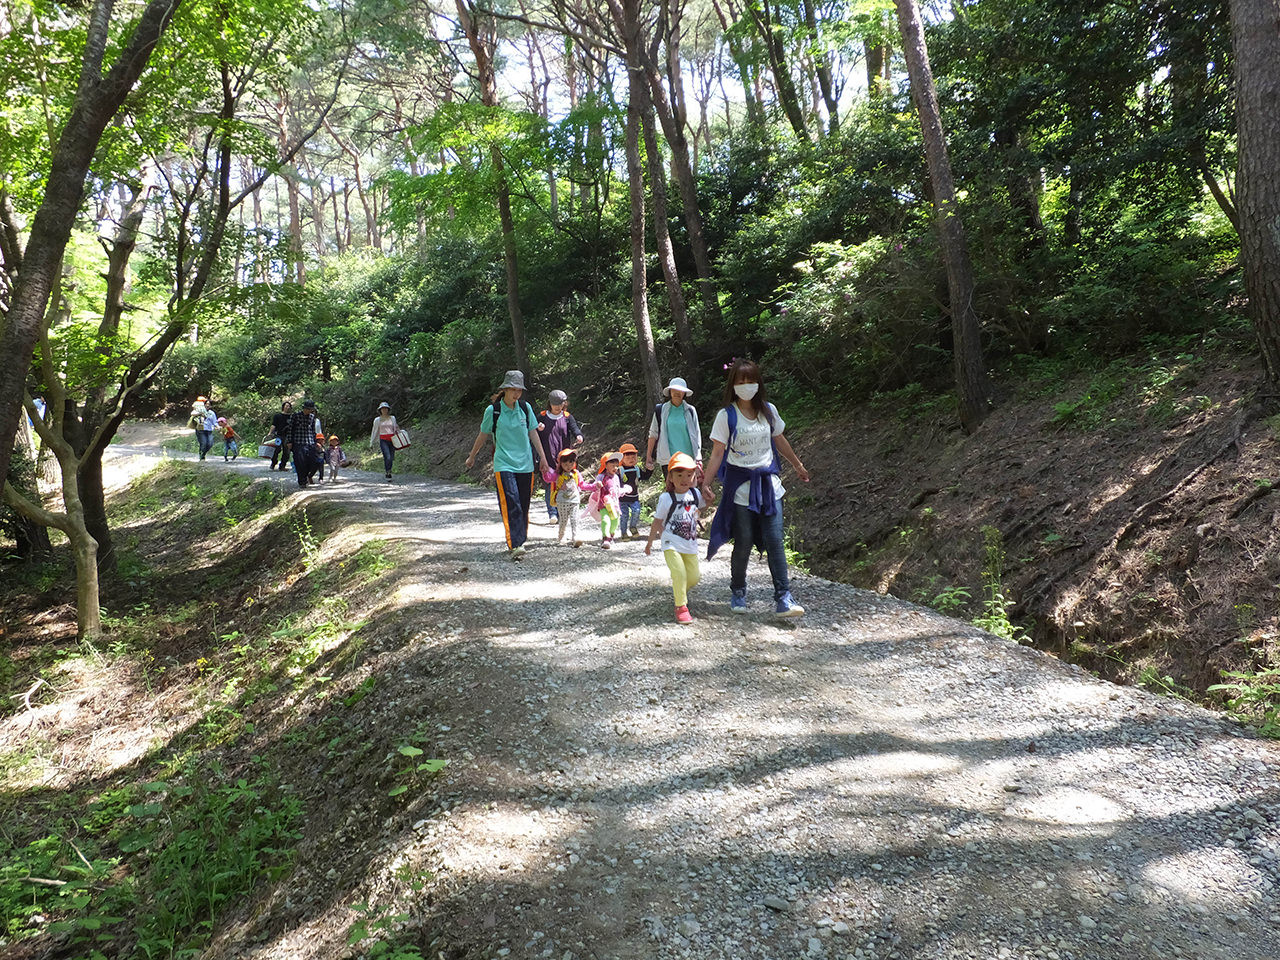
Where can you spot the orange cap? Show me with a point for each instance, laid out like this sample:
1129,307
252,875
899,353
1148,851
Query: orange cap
319,436
681,461
566,453
627,448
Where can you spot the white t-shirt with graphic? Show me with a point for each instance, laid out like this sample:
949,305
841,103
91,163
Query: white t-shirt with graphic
752,446
680,528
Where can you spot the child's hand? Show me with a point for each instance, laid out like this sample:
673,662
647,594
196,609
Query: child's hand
626,489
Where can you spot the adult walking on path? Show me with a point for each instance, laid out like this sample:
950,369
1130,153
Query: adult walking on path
557,430
304,425
385,427
205,421
746,440
674,428
279,430
514,428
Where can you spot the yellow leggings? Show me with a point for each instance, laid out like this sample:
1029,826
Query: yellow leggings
684,574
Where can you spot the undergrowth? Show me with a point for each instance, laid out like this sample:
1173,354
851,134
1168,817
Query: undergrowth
144,860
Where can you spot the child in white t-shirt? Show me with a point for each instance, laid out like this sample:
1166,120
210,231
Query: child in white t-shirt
675,519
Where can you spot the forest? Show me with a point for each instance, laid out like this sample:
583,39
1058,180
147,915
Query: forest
929,223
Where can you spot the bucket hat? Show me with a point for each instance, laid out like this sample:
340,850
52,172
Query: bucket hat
384,404
558,397
514,379
681,461
677,383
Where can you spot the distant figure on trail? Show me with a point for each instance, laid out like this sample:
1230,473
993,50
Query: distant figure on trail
557,429
566,494
631,475
604,502
280,430
230,440
304,425
204,421
675,519
385,428
746,439
334,457
514,428
674,428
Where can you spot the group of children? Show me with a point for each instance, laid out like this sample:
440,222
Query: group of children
614,501
614,494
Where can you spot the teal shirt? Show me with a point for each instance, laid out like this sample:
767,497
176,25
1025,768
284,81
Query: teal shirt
512,452
678,433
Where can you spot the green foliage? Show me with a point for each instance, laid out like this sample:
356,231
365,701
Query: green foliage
995,605
173,854
951,599
1253,697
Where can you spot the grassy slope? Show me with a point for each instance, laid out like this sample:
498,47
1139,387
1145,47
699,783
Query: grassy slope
163,777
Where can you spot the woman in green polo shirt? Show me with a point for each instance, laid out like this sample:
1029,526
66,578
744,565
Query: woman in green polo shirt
514,428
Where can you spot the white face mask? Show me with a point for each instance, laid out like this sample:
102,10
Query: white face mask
746,391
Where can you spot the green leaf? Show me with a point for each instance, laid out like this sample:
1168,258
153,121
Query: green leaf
396,791
144,809
409,751
432,766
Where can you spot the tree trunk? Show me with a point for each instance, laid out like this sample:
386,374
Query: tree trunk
972,388
673,128
95,104
1255,40
635,182
785,87
1023,188
482,48
822,64
662,232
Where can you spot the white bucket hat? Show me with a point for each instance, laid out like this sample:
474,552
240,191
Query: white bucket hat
677,383
513,380
384,404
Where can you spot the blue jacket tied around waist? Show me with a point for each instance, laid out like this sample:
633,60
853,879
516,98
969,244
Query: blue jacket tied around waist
762,501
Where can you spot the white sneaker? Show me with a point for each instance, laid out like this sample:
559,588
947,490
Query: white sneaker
517,553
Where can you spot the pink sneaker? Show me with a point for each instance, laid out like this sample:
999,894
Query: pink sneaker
605,543
683,615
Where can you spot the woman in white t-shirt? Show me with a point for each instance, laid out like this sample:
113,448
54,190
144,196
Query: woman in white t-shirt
746,442
384,429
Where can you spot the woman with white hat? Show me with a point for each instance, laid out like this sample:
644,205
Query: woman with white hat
674,428
384,428
514,428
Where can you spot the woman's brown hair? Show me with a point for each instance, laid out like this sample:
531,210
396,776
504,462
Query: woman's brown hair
749,372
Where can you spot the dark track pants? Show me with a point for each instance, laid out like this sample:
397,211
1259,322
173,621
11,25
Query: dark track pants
515,491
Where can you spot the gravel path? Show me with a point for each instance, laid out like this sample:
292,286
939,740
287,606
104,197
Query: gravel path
873,781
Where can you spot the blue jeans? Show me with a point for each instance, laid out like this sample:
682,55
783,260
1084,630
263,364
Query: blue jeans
388,454
746,527
204,440
630,515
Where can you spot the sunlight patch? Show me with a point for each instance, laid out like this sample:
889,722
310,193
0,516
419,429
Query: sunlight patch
1070,805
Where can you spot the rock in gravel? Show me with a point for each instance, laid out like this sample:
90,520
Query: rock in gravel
776,903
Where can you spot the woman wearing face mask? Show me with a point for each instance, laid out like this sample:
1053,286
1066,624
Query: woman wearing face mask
746,444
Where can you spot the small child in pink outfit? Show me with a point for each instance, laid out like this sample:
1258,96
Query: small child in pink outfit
334,457
604,504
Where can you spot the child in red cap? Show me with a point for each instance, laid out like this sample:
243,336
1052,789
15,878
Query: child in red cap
675,519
